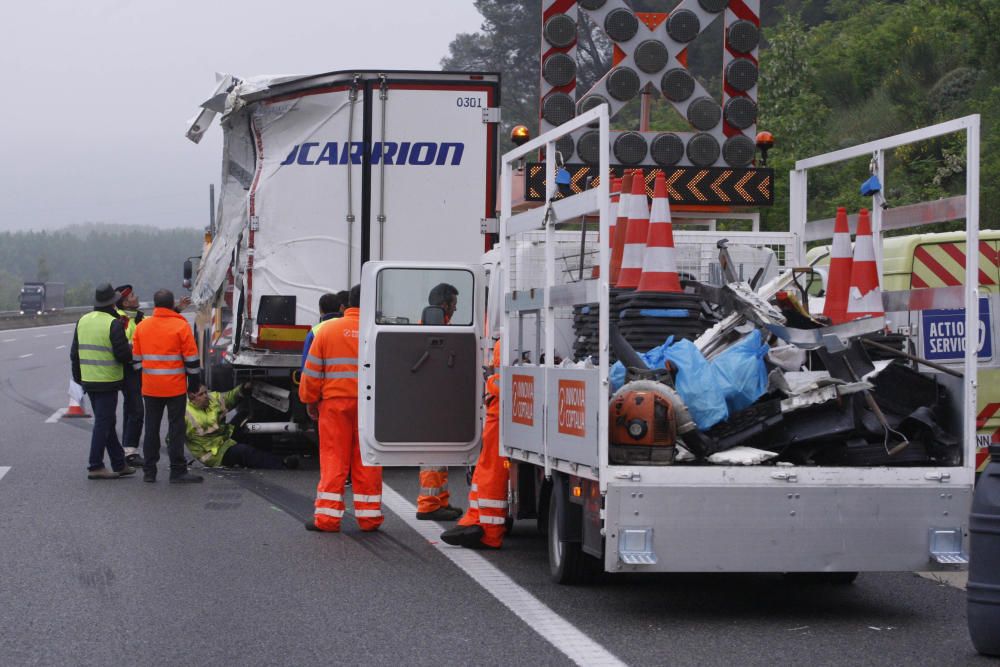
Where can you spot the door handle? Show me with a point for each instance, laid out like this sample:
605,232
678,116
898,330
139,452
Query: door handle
420,362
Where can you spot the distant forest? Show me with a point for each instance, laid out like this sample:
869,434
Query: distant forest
83,256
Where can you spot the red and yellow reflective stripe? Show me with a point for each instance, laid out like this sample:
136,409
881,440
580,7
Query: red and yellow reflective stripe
983,453
943,264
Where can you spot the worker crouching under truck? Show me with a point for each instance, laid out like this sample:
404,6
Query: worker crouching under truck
210,438
329,389
484,524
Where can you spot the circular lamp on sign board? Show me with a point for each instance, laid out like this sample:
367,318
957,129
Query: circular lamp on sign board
704,113
557,108
677,84
666,149
623,84
591,4
630,148
588,147
713,6
742,36
560,31
621,25
588,103
683,26
559,69
564,146
651,56
741,74
703,150
738,151
740,112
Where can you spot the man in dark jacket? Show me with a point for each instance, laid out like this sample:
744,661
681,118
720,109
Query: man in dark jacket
99,351
132,409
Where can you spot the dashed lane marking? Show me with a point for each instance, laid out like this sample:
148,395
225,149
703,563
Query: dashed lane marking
59,347
40,335
3,471
25,356
9,340
56,416
553,628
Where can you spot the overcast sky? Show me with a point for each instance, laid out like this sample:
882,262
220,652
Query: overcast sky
97,92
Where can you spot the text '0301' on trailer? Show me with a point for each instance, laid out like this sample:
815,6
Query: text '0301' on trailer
749,435
321,174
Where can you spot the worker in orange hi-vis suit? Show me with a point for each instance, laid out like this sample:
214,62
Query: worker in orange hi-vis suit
433,499
484,525
329,388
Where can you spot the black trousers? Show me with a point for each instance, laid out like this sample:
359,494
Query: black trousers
132,408
244,455
174,406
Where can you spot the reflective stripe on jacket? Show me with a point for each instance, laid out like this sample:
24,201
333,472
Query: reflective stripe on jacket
97,357
208,436
163,348
331,368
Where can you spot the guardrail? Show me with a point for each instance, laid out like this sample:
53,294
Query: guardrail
5,314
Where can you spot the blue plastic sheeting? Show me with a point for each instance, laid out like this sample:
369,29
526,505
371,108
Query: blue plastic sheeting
711,389
663,312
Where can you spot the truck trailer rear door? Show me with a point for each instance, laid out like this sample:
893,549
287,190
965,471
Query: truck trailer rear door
420,383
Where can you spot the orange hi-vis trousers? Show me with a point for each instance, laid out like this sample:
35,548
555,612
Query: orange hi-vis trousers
339,453
433,493
488,493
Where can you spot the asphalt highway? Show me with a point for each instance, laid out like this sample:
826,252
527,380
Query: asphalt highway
122,572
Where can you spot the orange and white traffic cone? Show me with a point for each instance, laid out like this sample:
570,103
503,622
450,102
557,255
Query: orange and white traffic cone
864,297
838,281
659,263
635,235
621,225
75,408
616,188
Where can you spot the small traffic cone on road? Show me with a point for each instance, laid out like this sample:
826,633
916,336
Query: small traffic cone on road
864,297
659,263
635,235
838,281
75,408
621,226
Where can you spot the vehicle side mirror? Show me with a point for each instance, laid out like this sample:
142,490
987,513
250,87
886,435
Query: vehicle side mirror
188,271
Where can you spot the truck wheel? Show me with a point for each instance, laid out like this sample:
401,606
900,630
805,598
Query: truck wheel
568,564
542,514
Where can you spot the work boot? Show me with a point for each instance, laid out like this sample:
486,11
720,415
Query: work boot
448,513
149,477
126,471
102,473
187,478
469,537
134,460
290,462
311,526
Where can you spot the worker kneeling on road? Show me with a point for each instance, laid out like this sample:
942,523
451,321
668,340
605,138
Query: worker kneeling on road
329,389
484,525
210,438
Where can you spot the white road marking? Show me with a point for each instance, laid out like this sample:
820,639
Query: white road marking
9,340
56,416
552,627
59,347
40,335
3,471
25,356
953,578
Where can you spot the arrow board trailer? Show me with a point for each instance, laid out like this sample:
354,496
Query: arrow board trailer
321,174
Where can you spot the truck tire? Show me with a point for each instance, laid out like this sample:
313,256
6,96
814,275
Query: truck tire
568,564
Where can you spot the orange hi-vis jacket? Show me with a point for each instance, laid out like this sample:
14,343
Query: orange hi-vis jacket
163,348
331,369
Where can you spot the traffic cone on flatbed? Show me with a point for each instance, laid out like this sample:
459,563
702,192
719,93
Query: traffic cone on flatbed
838,281
659,262
864,297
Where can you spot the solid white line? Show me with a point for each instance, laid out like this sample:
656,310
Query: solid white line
3,471
25,356
59,347
46,326
56,416
552,627
9,340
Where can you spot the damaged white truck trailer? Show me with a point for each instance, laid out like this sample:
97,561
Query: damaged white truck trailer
319,175
842,462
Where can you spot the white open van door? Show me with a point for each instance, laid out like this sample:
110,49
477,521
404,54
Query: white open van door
420,380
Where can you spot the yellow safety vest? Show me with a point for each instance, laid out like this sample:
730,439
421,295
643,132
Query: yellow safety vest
97,358
130,329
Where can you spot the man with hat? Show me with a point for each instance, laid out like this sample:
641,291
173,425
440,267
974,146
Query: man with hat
99,353
132,412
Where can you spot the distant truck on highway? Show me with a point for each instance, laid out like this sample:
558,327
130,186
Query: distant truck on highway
38,298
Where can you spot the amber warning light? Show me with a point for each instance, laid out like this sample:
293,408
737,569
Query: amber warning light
519,135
